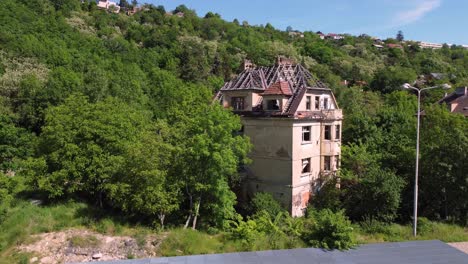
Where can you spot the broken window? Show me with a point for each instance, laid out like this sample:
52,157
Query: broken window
327,133
327,163
273,105
306,134
308,102
237,103
305,165
337,132
317,102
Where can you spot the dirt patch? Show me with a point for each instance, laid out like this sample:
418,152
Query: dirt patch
462,246
76,245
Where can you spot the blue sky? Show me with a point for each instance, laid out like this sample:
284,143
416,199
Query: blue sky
444,21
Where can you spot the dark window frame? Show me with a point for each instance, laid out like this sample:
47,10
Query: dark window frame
327,132
308,102
238,103
306,134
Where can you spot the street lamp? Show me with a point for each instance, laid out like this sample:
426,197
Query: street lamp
408,86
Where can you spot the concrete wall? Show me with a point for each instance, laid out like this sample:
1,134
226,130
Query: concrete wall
271,167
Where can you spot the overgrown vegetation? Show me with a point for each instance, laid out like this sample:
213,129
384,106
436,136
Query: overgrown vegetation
114,112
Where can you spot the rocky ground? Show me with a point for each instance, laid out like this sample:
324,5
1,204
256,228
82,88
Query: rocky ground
463,246
82,246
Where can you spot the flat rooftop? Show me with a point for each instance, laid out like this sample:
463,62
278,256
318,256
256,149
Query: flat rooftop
415,252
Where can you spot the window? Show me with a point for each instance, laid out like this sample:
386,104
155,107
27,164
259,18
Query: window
327,133
308,102
327,163
305,166
273,104
325,103
337,162
337,132
317,102
237,103
306,134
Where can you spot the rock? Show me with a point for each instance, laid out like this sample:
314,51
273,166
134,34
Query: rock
47,260
32,260
97,256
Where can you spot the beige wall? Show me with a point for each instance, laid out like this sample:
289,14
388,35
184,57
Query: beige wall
278,151
323,95
271,167
251,98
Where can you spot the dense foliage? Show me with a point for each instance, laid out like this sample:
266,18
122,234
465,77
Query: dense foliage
116,110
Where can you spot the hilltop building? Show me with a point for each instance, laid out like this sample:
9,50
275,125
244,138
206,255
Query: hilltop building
457,102
108,5
294,124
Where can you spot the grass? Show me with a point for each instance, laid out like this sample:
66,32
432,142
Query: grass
84,241
396,233
24,220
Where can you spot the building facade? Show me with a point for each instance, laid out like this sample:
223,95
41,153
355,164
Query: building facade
294,124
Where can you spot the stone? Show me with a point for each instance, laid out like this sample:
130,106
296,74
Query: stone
47,260
97,256
32,260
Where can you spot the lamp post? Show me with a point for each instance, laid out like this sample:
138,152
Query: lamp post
415,212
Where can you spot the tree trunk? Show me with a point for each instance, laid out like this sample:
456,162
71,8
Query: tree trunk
188,221
161,220
195,217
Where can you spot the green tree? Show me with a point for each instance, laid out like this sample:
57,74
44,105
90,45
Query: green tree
83,144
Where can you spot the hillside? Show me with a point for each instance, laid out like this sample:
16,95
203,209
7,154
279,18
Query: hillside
115,111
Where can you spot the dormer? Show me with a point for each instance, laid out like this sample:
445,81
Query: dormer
276,96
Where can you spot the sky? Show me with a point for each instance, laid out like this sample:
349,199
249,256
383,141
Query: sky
440,21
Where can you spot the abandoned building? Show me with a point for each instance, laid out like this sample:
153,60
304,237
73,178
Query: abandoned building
294,124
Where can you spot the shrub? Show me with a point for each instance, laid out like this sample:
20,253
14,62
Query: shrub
265,202
424,226
328,230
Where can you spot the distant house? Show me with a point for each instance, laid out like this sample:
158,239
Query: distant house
428,45
377,46
321,35
108,5
457,102
334,36
394,46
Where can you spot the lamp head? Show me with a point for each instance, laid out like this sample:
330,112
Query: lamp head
446,86
406,86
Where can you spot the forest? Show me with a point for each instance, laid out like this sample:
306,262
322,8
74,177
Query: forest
115,111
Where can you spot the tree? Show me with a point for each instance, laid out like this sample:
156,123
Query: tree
83,145
400,37
143,187
443,185
207,161
376,196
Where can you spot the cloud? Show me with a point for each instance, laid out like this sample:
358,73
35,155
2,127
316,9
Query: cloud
421,8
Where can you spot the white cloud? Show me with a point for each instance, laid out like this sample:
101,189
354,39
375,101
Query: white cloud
418,11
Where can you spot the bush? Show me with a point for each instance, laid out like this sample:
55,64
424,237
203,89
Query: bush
424,226
328,230
328,197
265,202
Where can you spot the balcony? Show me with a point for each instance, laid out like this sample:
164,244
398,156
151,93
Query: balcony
332,114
